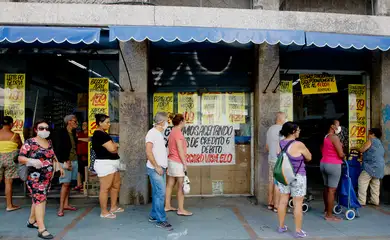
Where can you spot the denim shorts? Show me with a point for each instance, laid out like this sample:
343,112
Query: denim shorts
70,175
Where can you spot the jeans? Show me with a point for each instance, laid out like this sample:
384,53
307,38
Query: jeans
158,195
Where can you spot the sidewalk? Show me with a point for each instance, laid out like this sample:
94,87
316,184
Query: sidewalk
214,218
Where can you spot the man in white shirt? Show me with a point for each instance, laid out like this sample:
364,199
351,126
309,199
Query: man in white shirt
272,146
157,164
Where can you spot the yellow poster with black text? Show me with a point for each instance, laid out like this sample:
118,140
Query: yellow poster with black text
188,106
212,108
317,84
357,115
235,103
14,100
286,99
98,94
163,102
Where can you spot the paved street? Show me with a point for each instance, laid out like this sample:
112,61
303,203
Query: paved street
214,218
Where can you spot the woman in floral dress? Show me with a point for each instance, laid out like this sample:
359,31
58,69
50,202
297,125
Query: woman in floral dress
38,155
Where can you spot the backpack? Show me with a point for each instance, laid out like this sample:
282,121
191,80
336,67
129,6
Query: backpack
284,170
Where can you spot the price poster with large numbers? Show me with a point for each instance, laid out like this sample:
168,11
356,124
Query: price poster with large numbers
98,104
286,99
235,104
211,108
188,105
162,102
357,115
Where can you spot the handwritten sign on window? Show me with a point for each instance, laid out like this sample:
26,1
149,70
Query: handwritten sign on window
317,84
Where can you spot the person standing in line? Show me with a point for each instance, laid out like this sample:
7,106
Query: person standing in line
297,152
82,154
10,144
107,165
272,147
65,143
38,155
330,166
177,165
373,167
157,164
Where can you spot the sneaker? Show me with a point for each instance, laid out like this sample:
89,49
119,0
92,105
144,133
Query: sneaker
152,220
301,234
165,225
282,229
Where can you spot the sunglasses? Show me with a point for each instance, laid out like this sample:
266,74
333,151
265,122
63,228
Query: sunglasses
43,128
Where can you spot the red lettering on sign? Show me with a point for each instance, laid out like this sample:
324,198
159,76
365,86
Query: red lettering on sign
358,131
99,99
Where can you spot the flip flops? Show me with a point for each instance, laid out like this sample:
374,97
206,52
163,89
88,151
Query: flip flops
118,210
108,216
13,209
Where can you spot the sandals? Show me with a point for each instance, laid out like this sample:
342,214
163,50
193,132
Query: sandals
108,216
118,210
31,225
49,236
13,209
60,214
70,208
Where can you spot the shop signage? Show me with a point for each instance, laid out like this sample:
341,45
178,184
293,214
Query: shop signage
14,100
357,115
98,95
210,145
211,108
162,102
317,84
235,103
286,99
188,106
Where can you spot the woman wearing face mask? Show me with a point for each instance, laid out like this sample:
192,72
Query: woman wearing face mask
332,159
37,153
107,167
177,165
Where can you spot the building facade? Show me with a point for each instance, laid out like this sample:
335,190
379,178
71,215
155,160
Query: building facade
212,57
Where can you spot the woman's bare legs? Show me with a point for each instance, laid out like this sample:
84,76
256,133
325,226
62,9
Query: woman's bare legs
114,193
180,198
168,193
298,202
105,187
282,209
40,217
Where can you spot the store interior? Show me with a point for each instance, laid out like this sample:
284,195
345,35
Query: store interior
57,85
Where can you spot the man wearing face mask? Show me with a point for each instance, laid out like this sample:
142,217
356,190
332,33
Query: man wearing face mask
272,147
332,158
157,164
65,144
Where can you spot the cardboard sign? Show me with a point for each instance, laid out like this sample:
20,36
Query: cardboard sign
317,84
188,106
357,115
210,145
235,104
14,100
162,102
286,99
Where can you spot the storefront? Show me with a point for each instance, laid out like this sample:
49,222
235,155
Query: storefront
48,73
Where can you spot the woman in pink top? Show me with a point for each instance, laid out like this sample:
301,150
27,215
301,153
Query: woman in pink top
177,166
332,158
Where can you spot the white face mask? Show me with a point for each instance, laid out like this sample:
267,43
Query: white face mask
338,131
43,134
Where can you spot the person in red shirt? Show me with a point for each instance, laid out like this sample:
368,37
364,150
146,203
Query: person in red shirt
82,152
177,165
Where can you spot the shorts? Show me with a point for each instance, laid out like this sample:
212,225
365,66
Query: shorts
271,166
70,175
331,174
296,188
175,169
8,168
104,167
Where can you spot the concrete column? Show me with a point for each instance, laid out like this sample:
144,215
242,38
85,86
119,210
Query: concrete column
266,4
266,106
133,120
382,7
380,99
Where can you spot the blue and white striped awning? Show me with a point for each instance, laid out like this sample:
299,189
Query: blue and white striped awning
201,34
346,41
31,34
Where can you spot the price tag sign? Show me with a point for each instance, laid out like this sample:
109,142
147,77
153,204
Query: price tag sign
357,115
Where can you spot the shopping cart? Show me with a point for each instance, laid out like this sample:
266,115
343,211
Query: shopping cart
346,196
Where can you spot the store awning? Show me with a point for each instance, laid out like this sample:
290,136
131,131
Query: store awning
347,41
201,34
30,34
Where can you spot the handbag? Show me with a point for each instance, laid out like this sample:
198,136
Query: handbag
284,170
186,184
23,172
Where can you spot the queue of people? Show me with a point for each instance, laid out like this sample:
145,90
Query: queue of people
283,135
